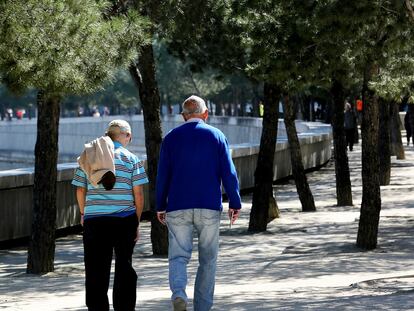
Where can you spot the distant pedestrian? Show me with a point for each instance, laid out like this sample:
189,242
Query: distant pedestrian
194,161
318,110
110,198
408,128
360,109
9,114
261,109
106,111
349,126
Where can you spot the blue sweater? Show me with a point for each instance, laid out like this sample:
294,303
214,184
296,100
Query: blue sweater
194,160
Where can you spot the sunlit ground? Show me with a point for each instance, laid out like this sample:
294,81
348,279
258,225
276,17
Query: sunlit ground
305,261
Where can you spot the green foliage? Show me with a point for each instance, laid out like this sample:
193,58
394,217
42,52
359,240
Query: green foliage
297,44
267,40
65,46
396,79
176,79
207,38
280,41
364,32
10,100
393,50
163,14
118,95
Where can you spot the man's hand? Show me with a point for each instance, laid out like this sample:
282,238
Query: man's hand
233,215
161,217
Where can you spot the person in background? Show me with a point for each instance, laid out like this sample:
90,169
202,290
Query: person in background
110,207
359,109
194,161
408,128
349,126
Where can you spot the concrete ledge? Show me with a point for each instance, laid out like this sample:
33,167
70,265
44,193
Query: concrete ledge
19,137
16,186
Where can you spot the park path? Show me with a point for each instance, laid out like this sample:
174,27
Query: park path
305,261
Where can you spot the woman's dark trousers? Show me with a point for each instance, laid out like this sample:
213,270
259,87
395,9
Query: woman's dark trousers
102,236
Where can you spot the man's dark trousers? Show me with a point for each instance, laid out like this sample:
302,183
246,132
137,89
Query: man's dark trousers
101,236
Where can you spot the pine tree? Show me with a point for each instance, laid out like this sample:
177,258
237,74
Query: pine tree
362,37
143,72
59,47
337,73
379,29
279,41
265,41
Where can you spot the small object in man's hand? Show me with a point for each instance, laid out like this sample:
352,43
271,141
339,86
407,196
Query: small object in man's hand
231,218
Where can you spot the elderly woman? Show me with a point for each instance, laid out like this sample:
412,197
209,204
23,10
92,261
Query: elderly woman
110,212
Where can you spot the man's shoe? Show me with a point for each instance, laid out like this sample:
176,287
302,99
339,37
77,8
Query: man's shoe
179,304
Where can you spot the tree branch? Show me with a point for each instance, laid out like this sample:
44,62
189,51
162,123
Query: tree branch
193,82
410,9
389,10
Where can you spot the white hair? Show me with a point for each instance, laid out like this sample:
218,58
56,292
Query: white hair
116,127
194,105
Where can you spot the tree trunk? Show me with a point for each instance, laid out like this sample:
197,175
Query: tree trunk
343,180
397,148
410,110
298,171
41,252
263,198
143,74
384,145
256,98
356,133
371,193
301,107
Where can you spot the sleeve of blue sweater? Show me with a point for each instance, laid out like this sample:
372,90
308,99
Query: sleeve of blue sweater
229,176
163,175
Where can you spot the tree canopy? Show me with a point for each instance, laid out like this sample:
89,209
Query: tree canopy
65,46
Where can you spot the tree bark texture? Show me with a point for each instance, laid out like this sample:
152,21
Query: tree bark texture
384,143
298,171
342,174
263,197
397,148
41,252
256,98
371,194
143,74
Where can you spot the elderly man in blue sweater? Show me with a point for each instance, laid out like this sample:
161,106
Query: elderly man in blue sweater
194,161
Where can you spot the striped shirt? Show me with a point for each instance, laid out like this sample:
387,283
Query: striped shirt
119,201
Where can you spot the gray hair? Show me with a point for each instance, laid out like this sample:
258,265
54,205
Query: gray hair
116,127
194,105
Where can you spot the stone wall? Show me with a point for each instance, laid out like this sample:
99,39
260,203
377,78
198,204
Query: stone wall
19,136
16,186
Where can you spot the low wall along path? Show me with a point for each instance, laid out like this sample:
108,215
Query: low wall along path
243,134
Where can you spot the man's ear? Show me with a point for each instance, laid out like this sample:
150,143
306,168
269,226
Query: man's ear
183,115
